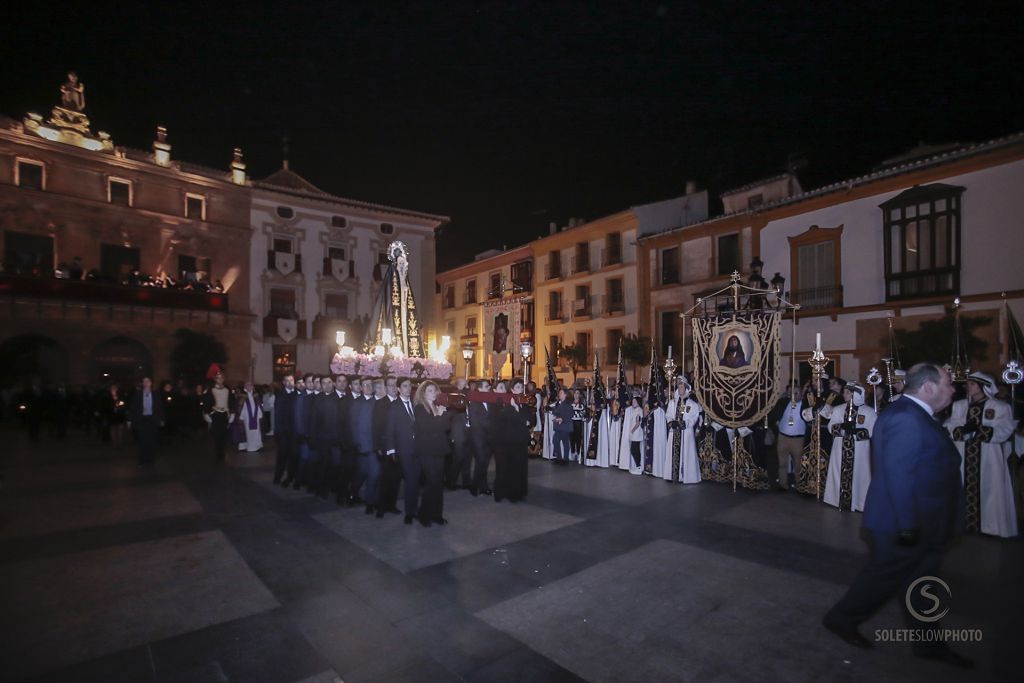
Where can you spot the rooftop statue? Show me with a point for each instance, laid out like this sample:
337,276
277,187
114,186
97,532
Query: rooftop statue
72,93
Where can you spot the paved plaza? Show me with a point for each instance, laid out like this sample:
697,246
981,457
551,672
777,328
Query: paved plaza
193,571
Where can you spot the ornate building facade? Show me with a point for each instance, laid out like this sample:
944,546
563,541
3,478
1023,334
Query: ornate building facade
319,262
108,250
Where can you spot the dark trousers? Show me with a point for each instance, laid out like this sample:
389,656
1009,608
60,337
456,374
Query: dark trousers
368,477
458,469
577,436
411,471
219,432
285,446
147,438
481,461
390,478
432,495
888,574
561,446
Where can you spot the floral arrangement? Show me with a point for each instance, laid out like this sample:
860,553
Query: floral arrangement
367,365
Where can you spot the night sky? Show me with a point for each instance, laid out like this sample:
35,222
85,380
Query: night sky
508,115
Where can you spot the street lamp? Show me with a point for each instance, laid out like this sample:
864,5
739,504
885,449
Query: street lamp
467,355
526,351
778,282
339,339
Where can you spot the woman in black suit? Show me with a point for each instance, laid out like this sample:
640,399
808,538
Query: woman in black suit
512,424
432,446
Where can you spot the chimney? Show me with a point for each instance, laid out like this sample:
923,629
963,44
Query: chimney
161,150
691,186
552,228
238,168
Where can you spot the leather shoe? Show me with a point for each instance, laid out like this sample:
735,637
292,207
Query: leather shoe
440,520
425,522
394,511
848,634
487,492
369,509
946,656
408,519
380,514
472,491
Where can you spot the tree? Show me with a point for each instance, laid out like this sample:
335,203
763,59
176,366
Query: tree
933,340
192,354
575,357
636,351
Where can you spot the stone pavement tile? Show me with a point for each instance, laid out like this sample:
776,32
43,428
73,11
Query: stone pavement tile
523,664
669,611
475,524
77,607
406,668
265,478
329,676
611,485
457,639
792,516
567,502
41,514
241,459
476,581
134,665
261,648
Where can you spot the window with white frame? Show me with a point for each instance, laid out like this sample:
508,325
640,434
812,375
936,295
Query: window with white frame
119,191
30,174
195,206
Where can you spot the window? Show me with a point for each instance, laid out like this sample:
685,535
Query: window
555,305
450,328
613,339
581,263
336,306
815,265
470,291
282,303
494,291
729,254
522,276
284,361
471,327
117,261
583,341
612,249
285,212
387,229
554,343
338,221
616,299
922,241
193,268
554,265
449,297
527,321
337,253
31,175
670,266
283,245
119,191
27,254
195,207
581,304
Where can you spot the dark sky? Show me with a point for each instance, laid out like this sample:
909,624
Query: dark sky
507,115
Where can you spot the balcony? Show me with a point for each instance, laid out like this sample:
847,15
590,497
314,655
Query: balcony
112,294
669,275
522,285
581,263
272,262
608,304
469,298
818,297
471,338
554,314
611,257
328,270
922,283
583,309
553,271
271,328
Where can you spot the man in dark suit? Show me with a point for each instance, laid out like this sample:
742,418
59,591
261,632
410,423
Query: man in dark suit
344,458
361,432
325,431
390,469
459,467
914,506
145,417
284,430
301,432
483,446
400,442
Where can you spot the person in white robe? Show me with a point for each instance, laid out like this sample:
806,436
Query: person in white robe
981,426
609,435
250,412
658,458
849,464
686,412
268,409
631,456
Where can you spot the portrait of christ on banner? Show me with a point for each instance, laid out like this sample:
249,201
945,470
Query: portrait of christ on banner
500,344
734,348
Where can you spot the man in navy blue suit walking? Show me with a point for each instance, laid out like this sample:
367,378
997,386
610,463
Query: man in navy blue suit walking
914,507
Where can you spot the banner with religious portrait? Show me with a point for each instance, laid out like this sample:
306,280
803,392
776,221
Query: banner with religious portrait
736,365
502,323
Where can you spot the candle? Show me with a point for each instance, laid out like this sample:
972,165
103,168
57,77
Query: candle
670,351
817,341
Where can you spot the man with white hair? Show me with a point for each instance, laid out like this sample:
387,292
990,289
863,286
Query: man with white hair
682,415
981,426
849,465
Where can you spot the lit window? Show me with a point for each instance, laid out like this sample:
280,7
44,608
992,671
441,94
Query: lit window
922,241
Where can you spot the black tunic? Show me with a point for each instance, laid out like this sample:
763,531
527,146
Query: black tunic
512,446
